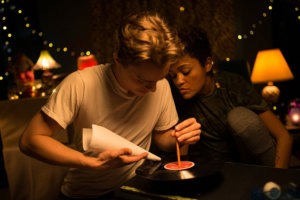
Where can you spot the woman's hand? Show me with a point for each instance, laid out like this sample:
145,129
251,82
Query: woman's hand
188,131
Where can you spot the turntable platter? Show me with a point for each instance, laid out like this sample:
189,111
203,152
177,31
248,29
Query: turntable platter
154,170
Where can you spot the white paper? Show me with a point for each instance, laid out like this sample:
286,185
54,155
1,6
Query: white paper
100,139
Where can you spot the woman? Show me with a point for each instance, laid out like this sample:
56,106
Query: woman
235,121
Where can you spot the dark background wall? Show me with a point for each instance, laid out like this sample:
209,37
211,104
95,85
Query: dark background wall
88,24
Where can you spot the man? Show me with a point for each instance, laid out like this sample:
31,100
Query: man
235,121
129,97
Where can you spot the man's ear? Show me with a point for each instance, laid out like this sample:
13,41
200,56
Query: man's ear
208,64
116,58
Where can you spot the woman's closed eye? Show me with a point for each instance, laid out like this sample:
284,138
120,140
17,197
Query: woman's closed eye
186,72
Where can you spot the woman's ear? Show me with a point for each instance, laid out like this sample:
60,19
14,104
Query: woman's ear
208,64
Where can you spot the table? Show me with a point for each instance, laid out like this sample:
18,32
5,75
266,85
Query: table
234,182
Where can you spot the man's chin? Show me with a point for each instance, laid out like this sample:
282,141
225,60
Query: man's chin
138,93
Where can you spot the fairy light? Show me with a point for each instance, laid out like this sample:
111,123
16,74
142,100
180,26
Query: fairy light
9,7
251,32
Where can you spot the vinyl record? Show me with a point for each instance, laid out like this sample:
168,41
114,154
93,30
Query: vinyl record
154,170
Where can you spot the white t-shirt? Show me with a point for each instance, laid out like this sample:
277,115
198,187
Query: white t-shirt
93,96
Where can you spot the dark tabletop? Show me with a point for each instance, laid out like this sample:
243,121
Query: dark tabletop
234,181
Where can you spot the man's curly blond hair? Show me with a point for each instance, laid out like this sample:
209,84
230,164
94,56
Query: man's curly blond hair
146,36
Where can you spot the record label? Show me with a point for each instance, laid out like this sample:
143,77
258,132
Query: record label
183,165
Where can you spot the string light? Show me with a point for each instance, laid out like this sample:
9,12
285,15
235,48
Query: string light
251,32
6,7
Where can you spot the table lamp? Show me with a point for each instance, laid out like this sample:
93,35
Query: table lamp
86,61
45,62
270,66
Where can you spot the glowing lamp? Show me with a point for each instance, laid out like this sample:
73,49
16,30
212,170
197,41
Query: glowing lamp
270,66
45,62
294,112
86,61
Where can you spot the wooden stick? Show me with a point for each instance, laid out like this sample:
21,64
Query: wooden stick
178,154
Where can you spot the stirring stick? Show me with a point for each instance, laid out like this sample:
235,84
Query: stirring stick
178,154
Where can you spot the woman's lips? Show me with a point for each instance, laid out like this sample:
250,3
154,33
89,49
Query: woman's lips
183,91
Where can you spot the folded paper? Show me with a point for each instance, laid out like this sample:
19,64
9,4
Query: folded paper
100,139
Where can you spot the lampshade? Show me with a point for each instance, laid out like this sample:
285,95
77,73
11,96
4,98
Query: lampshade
45,62
270,66
86,61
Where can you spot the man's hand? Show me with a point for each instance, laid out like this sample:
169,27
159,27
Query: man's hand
114,159
188,131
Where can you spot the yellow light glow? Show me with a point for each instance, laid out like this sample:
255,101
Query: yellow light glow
227,59
296,8
65,49
274,108
270,7
6,43
270,66
181,8
9,35
264,14
4,27
9,58
295,117
299,17
27,25
1,78
33,31
45,62
240,37
88,53
3,1
251,32
50,44
3,18
20,11
40,34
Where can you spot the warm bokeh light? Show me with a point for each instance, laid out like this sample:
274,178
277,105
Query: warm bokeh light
45,62
270,65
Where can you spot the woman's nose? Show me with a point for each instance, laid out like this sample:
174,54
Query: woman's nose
179,80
